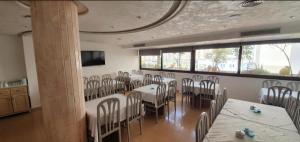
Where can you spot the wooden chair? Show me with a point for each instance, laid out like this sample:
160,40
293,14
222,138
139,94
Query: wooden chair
93,86
214,79
297,119
292,105
107,87
170,75
157,79
106,76
213,111
85,80
147,79
108,118
134,111
171,94
90,94
207,90
270,83
160,100
295,86
95,77
187,90
202,127
135,84
120,73
277,94
197,77
119,85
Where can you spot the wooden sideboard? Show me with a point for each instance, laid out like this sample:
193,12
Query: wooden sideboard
14,100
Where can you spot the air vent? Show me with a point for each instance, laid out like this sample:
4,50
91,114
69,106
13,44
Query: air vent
261,32
139,45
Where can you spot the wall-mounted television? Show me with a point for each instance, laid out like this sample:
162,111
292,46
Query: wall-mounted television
92,58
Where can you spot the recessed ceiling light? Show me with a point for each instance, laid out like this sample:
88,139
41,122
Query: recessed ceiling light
119,38
251,3
27,16
292,17
235,15
139,17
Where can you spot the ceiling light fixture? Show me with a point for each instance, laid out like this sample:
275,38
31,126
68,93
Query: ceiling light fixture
292,17
251,3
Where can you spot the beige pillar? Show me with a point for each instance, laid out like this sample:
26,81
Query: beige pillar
57,50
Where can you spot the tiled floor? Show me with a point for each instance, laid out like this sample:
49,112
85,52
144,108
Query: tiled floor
178,127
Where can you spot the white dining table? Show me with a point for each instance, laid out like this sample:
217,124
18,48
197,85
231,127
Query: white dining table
91,111
136,77
148,93
263,93
273,124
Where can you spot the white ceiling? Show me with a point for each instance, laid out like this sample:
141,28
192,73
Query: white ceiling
198,17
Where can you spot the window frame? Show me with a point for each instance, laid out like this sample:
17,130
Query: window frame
226,45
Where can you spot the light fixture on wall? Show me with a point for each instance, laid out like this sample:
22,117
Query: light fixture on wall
251,3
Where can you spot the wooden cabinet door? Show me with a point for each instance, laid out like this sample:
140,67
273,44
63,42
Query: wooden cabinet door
6,106
20,102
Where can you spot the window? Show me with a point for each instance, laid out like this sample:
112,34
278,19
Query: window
280,59
217,60
177,61
150,62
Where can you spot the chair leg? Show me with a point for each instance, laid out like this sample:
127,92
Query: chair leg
156,115
141,125
120,135
175,105
128,131
168,109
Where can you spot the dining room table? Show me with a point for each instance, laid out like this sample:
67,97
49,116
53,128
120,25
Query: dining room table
91,112
271,124
148,93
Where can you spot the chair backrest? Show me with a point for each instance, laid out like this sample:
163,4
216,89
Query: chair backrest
173,83
85,80
120,84
135,84
126,74
202,127
108,117
147,79
270,83
225,96
170,75
162,74
105,76
171,93
157,79
292,105
208,87
134,105
120,73
294,85
107,87
213,78
187,86
297,119
277,95
90,94
160,95
198,77
213,111
93,84
95,77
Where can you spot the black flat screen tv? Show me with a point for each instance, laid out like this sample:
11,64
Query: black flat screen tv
92,58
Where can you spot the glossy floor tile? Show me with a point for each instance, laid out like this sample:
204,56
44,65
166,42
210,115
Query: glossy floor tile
178,127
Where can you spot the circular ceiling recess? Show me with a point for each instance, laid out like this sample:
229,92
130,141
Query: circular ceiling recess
114,17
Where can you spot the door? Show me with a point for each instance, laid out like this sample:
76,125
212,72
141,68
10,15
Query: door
20,102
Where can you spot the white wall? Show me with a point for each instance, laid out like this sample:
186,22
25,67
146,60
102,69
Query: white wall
116,58
12,64
242,88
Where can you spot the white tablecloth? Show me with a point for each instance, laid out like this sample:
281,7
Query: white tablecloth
136,77
272,125
264,93
91,111
148,93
